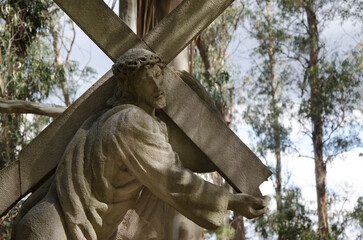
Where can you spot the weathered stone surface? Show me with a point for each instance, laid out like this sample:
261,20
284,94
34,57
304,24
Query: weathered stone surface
102,25
175,31
9,186
190,155
44,159
42,154
200,14
115,154
43,223
38,159
234,160
167,39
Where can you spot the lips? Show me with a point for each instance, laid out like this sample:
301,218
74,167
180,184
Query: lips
160,95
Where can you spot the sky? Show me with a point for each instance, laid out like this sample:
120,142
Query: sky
344,176
344,173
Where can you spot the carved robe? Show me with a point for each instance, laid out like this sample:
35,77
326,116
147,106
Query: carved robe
109,161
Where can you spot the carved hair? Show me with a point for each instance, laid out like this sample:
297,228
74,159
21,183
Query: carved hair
127,69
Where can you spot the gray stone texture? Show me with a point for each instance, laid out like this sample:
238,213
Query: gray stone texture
116,157
36,161
102,25
9,186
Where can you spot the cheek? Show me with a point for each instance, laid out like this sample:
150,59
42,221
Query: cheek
143,90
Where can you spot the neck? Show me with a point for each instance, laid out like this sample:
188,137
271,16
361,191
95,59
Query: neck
147,108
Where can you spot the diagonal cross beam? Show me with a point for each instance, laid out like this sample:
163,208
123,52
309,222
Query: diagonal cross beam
241,168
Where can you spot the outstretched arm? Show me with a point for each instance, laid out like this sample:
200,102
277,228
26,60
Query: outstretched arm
247,205
146,153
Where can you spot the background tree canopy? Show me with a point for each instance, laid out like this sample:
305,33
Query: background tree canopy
272,66
34,67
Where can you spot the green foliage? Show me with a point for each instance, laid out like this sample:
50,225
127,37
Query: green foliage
265,24
6,222
223,232
217,86
266,106
25,60
23,20
32,76
26,73
267,85
30,71
292,222
340,85
335,78
330,85
26,68
212,71
357,213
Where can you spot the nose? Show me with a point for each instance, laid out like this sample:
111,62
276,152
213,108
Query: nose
158,82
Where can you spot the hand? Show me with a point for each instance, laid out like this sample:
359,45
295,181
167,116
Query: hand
247,205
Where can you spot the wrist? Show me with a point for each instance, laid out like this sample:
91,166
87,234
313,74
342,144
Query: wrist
231,202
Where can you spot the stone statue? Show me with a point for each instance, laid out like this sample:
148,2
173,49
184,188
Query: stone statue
115,156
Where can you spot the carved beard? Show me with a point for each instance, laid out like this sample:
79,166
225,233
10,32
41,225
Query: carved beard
156,100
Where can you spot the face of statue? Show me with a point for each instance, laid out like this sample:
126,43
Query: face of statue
149,89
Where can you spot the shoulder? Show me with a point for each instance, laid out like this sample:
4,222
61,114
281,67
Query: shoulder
129,116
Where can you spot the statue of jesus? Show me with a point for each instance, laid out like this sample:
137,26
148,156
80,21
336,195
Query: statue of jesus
115,155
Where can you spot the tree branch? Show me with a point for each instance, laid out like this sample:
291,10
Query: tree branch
208,73
2,85
71,44
20,106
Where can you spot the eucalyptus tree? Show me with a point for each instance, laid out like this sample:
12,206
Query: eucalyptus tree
26,71
328,83
268,83
357,214
211,66
32,69
291,222
267,87
210,58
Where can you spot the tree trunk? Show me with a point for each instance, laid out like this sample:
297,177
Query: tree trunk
128,13
237,223
316,112
20,106
320,176
275,112
60,65
204,55
239,227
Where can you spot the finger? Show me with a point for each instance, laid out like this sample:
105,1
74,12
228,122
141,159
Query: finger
260,203
253,199
258,212
249,214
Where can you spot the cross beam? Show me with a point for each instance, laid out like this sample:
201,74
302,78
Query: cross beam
191,114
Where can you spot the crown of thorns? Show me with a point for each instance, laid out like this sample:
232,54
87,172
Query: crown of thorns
133,60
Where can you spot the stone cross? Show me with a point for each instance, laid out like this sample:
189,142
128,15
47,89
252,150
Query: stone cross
197,131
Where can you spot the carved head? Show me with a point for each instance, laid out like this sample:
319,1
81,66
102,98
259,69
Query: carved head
140,75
